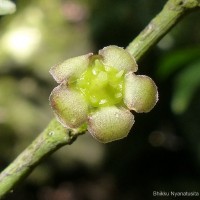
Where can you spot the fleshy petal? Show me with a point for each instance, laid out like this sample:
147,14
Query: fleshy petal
69,106
110,123
119,58
140,93
70,68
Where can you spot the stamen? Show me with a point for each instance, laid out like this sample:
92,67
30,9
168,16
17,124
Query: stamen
118,95
119,74
103,101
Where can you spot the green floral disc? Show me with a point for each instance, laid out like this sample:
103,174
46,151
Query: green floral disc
101,85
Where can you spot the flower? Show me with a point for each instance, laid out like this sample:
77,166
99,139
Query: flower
100,91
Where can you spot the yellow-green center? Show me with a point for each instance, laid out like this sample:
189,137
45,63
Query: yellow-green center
101,85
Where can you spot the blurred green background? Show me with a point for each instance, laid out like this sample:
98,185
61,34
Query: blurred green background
161,153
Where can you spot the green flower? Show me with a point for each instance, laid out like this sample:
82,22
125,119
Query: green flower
98,92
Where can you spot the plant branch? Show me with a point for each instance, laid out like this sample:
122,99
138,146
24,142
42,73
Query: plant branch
172,12
55,135
51,139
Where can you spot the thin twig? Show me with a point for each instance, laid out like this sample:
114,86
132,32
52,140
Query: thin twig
51,139
172,12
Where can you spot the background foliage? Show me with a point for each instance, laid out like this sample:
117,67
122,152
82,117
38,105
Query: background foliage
162,151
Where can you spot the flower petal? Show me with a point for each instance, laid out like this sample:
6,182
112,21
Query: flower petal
140,93
119,58
70,68
110,123
69,106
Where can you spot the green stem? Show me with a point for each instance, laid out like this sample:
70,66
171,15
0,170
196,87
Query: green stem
160,25
51,139
55,135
